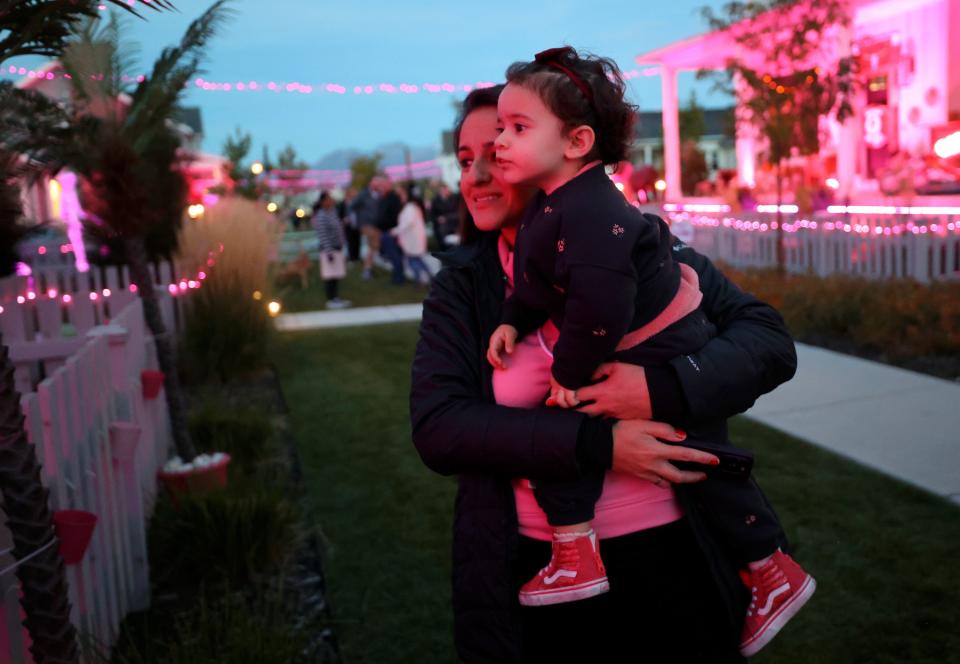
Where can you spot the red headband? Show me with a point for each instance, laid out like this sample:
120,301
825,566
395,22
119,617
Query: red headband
552,57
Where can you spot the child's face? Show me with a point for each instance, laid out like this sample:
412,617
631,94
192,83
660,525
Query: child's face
532,141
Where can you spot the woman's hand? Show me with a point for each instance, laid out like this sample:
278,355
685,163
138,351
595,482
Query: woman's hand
624,394
637,451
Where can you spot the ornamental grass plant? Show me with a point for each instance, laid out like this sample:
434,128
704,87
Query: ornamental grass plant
227,326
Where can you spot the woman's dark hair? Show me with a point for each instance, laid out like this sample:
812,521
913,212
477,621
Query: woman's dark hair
610,115
477,99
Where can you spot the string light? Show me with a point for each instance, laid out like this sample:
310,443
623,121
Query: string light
297,87
835,225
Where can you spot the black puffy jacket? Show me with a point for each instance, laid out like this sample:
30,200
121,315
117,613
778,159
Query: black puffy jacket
459,429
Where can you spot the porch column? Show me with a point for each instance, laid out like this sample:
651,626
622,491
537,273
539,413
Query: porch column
671,132
746,141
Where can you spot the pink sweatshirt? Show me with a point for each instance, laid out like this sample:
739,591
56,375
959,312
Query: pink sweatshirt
627,504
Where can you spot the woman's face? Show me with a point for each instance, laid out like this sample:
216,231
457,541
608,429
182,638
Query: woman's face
493,203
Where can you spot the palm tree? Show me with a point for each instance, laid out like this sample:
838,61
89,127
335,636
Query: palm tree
33,27
111,157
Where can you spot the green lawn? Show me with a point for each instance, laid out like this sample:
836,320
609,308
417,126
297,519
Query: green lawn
885,555
376,292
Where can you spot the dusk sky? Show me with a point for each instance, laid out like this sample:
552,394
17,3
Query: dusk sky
371,42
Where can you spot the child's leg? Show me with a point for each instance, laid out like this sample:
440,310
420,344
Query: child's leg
331,288
575,570
743,519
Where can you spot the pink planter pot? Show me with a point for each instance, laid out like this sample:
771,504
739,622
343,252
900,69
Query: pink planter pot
74,528
152,381
197,481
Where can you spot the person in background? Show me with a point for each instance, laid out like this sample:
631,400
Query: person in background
364,208
326,223
444,212
350,226
388,213
411,235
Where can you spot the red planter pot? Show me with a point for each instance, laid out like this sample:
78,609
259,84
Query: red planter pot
151,380
196,481
74,528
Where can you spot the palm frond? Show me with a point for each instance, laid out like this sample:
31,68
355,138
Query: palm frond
98,63
43,27
35,126
155,98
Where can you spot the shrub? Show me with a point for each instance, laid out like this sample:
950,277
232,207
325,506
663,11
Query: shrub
244,434
898,319
228,628
228,538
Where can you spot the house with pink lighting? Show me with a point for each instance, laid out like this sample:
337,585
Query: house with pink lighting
906,120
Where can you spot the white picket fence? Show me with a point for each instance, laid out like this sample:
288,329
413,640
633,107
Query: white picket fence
100,442
875,246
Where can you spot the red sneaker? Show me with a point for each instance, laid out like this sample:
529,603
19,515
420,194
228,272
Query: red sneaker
779,590
575,572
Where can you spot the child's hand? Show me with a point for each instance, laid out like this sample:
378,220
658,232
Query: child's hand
502,339
561,396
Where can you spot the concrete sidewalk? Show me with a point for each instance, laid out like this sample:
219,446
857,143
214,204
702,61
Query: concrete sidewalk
899,422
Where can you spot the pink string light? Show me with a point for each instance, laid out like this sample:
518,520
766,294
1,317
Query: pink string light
297,87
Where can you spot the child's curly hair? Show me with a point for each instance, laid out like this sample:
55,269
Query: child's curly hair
605,110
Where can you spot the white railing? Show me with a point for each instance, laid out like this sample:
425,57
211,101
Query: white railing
100,443
925,247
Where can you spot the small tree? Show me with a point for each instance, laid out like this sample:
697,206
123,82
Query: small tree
693,122
235,149
362,170
787,75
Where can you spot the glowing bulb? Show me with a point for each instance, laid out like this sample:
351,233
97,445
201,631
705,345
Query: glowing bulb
948,146
31,295
41,250
271,207
133,288
172,288
257,295
107,292
301,213
833,183
273,308
52,293
196,211
93,297
256,168
21,299
660,185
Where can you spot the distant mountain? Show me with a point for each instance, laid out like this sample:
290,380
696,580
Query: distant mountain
392,154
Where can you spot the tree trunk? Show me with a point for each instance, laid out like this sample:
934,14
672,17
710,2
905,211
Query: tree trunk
42,578
166,357
781,248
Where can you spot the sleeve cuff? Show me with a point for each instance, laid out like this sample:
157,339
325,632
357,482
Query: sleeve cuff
595,444
666,394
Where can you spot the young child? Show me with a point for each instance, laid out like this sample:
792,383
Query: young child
326,222
603,273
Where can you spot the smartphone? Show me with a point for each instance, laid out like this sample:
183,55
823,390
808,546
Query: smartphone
735,463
